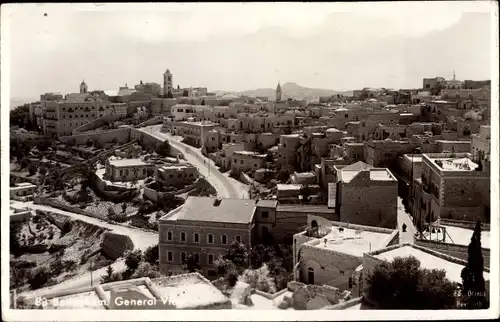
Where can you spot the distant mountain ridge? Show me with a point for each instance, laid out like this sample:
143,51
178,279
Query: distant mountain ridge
292,90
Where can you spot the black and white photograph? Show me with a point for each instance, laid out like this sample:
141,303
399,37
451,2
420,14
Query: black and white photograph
259,160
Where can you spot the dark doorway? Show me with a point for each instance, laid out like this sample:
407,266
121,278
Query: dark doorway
310,275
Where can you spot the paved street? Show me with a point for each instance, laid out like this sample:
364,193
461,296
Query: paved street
404,218
226,187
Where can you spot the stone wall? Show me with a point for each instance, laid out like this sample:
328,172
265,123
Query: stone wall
115,245
330,267
94,124
121,135
152,121
372,205
59,205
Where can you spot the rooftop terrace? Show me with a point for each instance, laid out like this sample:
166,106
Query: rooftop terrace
353,242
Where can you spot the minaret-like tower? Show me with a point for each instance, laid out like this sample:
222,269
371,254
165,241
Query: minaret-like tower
167,82
83,87
454,78
278,92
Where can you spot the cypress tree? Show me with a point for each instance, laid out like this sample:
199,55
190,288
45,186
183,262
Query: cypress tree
473,284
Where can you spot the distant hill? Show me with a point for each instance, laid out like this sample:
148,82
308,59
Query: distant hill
293,90
15,102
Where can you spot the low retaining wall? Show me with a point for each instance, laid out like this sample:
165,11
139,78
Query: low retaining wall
121,135
59,205
153,121
269,296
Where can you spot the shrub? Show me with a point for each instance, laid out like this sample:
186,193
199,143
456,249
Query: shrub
259,279
111,212
40,278
70,265
133,259
146,270
231,278
57,267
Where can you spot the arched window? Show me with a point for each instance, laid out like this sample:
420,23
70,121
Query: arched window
223,239
170,235
183,237
196,238
210,238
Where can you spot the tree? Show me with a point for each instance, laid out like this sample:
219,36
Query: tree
202,102
404,285
31,169
191,264
124,207
15,246
170,95
185,93
473,284
133,259
238,254
42,170
152,255
109,275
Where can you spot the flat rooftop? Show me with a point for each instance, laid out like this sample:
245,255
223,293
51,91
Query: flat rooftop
310,209
455,164
127,162
427,260
416,158
175,167
462,236
188,291
354,242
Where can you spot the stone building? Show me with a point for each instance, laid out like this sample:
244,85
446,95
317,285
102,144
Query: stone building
204,227
452,186
61,117
243,161
366,195
330,253
126,169
481,143
194,133
176,174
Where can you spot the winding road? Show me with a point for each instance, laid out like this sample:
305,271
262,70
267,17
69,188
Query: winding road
226,187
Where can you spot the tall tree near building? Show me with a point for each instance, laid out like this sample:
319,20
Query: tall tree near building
190,264
473,284
404,285
170,95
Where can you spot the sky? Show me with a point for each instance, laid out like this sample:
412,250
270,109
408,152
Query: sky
235,47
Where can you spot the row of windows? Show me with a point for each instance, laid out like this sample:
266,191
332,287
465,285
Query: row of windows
196,238
180,175
75,108
127,172
196,256
82,116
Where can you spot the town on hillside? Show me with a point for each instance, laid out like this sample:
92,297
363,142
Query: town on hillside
184,199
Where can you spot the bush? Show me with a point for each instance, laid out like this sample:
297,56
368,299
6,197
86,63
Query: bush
231,278
111,212
40,278
146,270
259,279
57,267
133,259
70,265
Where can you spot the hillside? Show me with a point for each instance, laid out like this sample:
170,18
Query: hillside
292,90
